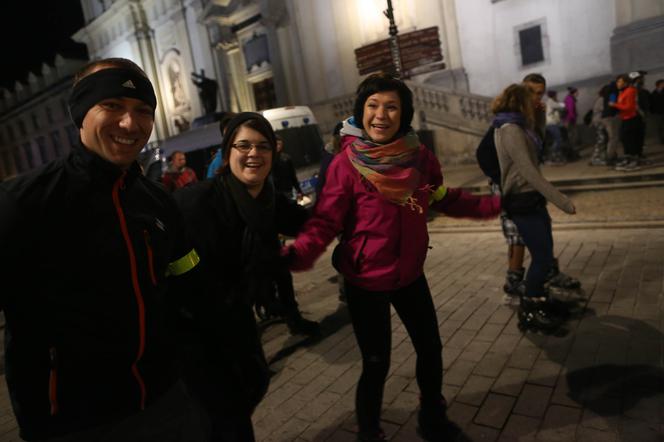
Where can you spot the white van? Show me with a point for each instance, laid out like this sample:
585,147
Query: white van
298,127
289,117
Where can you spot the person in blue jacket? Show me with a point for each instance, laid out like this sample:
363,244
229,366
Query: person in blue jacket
218,158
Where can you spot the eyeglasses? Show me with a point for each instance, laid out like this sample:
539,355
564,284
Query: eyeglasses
245,147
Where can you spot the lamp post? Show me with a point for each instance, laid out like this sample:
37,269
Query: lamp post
394,42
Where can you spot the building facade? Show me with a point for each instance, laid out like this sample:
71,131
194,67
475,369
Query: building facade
571,42
267,53
35,127
259,54
164,37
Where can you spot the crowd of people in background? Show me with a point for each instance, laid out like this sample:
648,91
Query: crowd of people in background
528,132
618,118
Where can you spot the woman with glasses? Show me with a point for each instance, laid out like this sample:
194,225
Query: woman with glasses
233,222
377,192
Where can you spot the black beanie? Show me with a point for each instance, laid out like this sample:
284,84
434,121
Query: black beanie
242,118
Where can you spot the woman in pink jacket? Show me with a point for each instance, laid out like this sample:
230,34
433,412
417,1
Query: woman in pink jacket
377,193
569,121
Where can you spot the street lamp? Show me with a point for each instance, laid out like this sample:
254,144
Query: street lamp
394,42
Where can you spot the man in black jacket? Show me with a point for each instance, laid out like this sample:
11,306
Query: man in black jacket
657,107
283,173
86,245
285,181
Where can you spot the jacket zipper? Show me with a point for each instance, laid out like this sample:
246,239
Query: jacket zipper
150,257
53,381
137,288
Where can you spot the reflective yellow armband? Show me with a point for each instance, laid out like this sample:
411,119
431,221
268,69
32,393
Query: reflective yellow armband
184,264
438,195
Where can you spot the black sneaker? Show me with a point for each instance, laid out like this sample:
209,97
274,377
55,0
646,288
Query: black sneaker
629,167
642,159
434,425
369,436
297,325
537,315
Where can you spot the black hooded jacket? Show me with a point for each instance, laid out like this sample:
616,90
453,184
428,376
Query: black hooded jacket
85,249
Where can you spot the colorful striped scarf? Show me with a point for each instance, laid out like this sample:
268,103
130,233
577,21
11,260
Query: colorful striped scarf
391,168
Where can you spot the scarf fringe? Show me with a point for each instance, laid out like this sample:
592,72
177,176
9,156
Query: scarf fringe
412,203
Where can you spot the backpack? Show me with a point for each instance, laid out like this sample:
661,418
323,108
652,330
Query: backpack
487,157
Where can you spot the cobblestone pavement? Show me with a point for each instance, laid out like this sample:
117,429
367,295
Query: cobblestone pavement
644,204
603,381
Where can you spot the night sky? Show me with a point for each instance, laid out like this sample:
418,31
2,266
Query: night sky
32,32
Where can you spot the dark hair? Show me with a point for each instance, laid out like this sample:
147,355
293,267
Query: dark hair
223,122
534,78
515,98
552,94
572,89
335,141
337,129
121,63
658,82
605,90
624,77
171,157
381,83
250,120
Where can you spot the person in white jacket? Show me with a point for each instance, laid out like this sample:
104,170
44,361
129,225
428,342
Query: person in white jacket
554,110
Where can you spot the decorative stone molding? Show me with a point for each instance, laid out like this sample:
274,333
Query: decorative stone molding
274,13
638,45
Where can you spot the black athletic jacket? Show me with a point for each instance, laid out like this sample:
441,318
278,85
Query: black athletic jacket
84,253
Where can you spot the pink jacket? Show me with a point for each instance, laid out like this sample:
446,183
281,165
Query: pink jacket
570,108
383,245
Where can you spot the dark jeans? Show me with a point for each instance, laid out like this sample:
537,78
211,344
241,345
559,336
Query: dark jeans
556,151
535,229
371,319
174,417
632,135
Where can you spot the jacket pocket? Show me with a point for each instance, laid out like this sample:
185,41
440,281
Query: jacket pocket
150,256
358,256
53,381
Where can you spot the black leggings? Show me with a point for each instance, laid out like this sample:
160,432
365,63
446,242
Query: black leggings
371,318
